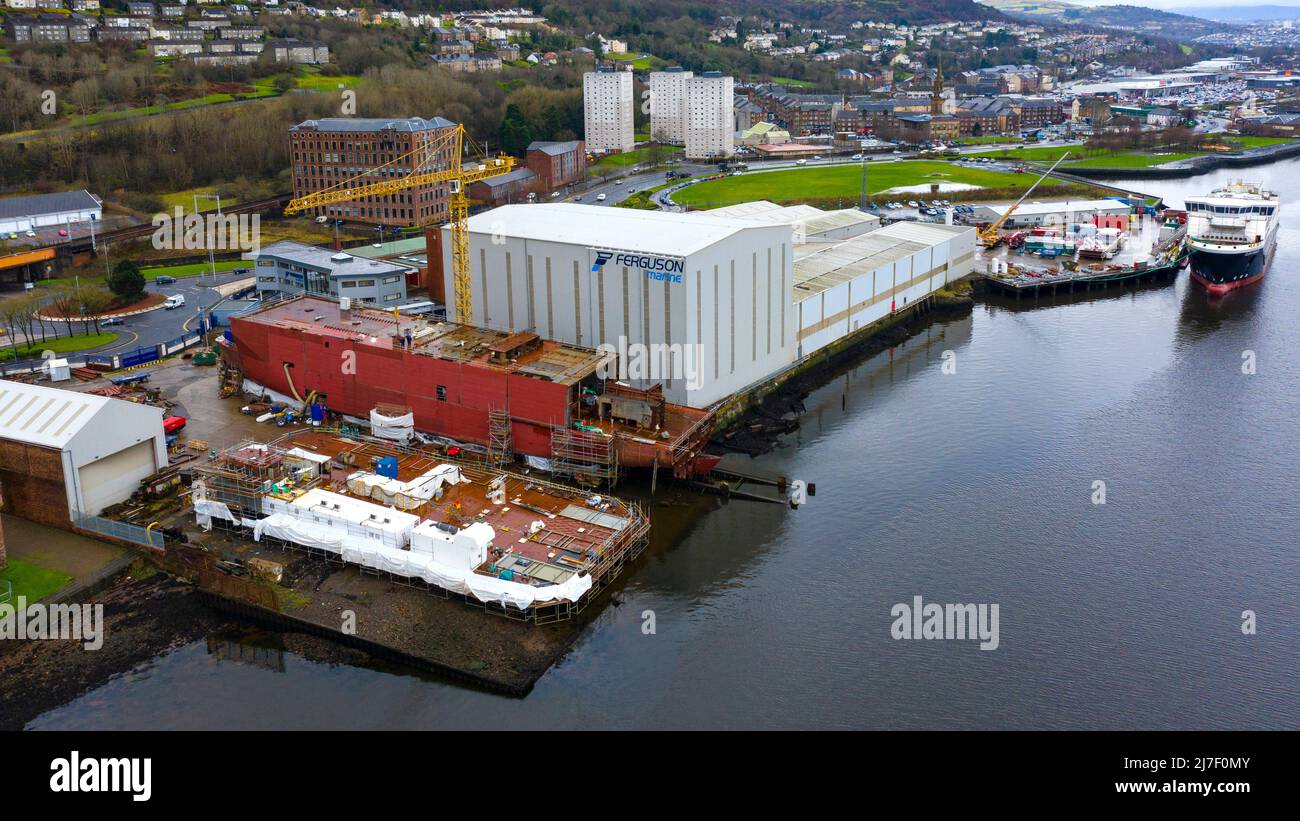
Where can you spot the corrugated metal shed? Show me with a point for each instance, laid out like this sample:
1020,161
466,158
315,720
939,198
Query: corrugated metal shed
43,416
39,205
822,265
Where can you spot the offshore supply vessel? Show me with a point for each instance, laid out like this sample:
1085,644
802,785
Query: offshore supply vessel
1232,233
503,394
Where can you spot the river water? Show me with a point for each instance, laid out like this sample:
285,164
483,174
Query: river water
969,487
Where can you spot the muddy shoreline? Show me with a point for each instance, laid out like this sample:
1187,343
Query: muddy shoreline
145,615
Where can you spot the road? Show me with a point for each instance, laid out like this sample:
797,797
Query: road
162,325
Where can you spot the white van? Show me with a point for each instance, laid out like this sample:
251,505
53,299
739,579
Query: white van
174,301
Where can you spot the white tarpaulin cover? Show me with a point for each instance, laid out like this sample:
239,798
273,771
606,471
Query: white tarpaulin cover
361,548
396,428
403,495
204,510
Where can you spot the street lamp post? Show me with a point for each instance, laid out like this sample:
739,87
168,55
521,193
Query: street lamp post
212,260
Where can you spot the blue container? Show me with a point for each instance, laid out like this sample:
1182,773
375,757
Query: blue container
318,413
387,466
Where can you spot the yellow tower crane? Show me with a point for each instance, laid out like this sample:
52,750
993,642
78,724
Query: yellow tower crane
438,161
989,236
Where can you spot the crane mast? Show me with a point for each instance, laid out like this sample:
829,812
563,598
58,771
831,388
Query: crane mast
425,160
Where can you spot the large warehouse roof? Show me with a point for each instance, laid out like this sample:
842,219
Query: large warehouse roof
1062,207
813,221
43,416
39,205
818,266
654,232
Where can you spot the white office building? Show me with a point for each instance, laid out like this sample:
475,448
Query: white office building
668,105
710,116
608,110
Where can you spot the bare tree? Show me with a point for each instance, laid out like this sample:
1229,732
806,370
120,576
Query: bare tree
97,299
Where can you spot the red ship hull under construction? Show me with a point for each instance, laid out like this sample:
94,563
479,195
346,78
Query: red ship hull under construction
463,383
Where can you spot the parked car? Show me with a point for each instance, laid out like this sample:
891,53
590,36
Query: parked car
31,233
164,280
321,220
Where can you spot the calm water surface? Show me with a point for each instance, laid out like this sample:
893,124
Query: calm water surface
969,487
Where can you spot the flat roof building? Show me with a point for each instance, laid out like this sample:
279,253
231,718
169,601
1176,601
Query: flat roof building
290,267
1031,214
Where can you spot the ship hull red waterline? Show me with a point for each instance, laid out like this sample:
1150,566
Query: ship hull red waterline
1221,273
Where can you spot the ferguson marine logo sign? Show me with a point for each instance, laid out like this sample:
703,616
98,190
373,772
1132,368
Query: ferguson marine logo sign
667,269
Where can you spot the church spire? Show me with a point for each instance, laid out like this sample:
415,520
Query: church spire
936,94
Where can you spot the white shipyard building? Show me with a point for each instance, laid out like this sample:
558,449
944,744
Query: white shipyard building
726,301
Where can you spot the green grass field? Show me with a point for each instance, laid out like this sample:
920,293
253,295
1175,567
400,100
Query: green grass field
1256,142
31,581
78,342
192,269
643,62
841,181
792,82
1132,160
636,156
185,199
1081,157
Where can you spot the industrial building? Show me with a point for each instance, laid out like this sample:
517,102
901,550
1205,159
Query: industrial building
58,210
843,286
1032,214
607,110
65,454
810,224
743,292
588,275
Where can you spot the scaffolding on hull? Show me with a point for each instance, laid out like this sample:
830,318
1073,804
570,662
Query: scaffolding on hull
501,446
587,457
